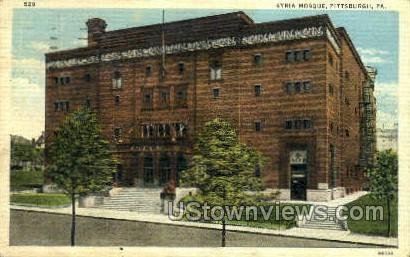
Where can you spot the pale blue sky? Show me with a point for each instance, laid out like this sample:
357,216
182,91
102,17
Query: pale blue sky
375,35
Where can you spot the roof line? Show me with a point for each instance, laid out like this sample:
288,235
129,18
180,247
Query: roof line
342,31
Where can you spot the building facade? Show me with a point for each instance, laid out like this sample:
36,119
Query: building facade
293,89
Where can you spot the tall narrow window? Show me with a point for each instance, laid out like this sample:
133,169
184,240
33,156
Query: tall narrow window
298,87
181,68
117,80
147,100
215,93
181,97
148,168
258,126
164,97
215,69
257,89
117,100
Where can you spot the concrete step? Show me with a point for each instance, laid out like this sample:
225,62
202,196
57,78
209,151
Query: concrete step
135,199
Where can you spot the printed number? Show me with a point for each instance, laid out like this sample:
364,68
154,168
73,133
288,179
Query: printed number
29,4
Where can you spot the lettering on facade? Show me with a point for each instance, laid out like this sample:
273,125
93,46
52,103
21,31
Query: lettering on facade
264,38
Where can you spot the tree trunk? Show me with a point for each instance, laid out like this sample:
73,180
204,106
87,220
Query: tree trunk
223,232
73,219
388,217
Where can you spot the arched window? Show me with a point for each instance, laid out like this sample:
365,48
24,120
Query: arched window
148,170
182,164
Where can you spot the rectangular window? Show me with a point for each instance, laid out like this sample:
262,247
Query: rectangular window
289,87
181,68
297,124
298,87
61,106
164,97
55,80
258,126
257,89
215,70
181,97
147,99
307,124
257,59
306,55
215,93
307,86
298,56
289,56
288,124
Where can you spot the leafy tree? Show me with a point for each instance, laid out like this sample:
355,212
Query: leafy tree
79,160
383,180
223,168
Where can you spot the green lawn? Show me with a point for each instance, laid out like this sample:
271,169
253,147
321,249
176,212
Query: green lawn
272,223
46,200
22,180
370,227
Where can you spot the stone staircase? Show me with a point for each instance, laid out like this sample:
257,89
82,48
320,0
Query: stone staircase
134,199
330,223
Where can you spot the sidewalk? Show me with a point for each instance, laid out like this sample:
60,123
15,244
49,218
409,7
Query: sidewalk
332,203
321,234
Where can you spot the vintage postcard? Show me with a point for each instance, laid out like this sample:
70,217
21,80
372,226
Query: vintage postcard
170,128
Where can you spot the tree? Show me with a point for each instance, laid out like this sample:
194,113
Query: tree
79,160
223,168
383,180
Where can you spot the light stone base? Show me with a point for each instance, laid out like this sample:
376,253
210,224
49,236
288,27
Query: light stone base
314,195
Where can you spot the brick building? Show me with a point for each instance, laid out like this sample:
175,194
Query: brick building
296,90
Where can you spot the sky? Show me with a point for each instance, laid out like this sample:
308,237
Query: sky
374,34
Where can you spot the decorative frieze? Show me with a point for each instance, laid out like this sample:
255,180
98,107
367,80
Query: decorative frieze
285,35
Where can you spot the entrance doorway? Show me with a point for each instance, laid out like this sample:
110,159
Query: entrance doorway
298,174
298,181
148,171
